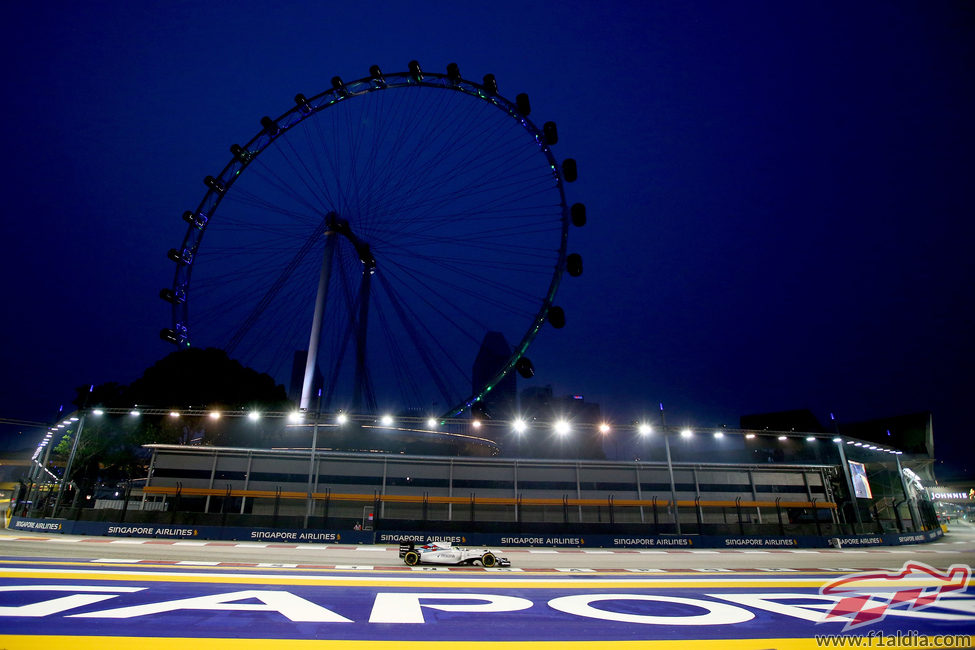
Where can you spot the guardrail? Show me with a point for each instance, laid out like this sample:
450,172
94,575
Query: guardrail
567,538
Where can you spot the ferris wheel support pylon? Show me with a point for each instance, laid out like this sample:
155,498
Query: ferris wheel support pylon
314,340
360,380
334,227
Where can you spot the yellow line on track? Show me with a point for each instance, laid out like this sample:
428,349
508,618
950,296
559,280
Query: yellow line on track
446,582
18,642
381,571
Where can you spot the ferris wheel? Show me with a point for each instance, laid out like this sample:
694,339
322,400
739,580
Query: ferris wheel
386,226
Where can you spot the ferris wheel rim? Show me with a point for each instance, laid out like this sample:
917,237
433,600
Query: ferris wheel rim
306,108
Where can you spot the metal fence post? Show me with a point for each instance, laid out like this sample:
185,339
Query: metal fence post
176,501
223,506
377,503
125,499
328,498
778,511
277,506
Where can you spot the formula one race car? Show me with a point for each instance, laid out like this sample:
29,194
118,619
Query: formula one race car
446,553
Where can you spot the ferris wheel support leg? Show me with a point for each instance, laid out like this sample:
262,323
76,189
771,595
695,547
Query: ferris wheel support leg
307,386
361,380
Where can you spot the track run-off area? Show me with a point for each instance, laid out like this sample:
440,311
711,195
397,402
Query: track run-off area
77,592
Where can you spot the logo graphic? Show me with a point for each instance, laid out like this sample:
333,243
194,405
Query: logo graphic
867,596
861,485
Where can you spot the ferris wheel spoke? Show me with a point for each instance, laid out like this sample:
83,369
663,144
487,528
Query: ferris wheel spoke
473,194
503,236
278,335
319,150
338,359
477,166
264,208
299,164
411,179
403,202
526,266
475,277
422,292
448,166
233,289
526,188
279,282
340,348
496,155
408,320
542,214
447,292
373,117
506,249
397,360
515,302
396,132
492,230
283,188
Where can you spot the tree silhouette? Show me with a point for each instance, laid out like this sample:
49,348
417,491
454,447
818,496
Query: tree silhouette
110,448
203,378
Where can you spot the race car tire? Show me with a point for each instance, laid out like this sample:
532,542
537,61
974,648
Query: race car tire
488,560
411,558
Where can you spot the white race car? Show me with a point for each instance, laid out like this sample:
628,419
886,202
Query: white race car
447,553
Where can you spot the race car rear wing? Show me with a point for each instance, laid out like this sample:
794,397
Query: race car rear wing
406,547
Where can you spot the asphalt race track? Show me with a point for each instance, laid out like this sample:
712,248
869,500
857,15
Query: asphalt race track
80,593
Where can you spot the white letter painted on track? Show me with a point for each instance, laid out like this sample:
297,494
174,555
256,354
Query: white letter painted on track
407,608
807,611
53,606
292,607
716,613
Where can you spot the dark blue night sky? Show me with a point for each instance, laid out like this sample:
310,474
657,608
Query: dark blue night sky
780,195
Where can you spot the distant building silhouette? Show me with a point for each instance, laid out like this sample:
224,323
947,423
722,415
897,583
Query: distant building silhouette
539,405
501,403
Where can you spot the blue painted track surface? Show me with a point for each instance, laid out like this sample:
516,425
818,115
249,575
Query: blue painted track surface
205,603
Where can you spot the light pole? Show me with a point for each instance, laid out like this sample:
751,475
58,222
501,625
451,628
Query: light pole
74,449
670,471
67,467
311,461
670,468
